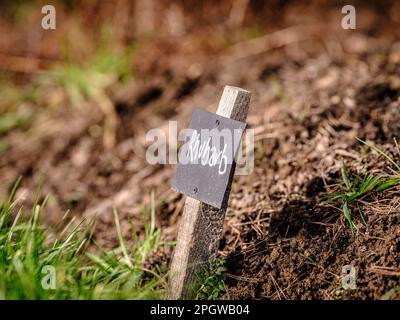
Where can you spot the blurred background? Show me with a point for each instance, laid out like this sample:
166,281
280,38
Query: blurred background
76,102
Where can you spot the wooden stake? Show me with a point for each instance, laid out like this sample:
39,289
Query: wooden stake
201,225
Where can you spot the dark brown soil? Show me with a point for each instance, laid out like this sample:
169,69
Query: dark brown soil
312,96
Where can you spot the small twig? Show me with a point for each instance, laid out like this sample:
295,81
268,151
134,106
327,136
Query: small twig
277,287
277,39
387,271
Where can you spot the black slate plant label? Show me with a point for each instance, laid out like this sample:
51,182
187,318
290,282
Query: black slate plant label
206,158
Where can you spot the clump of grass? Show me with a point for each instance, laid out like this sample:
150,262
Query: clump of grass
354,190
360,185
211,281
38,263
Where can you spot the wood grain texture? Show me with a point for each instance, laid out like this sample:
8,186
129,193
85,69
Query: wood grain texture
201,224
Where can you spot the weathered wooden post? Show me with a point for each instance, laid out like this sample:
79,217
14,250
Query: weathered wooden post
201,223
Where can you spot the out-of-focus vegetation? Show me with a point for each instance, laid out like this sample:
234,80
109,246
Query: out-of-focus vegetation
90,78
69,81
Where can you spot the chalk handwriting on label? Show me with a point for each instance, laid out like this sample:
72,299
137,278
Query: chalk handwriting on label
207,157
206,154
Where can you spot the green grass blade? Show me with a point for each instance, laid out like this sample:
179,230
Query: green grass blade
388,184
369,183
121,240
14,190
349,218
345,176
381,153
